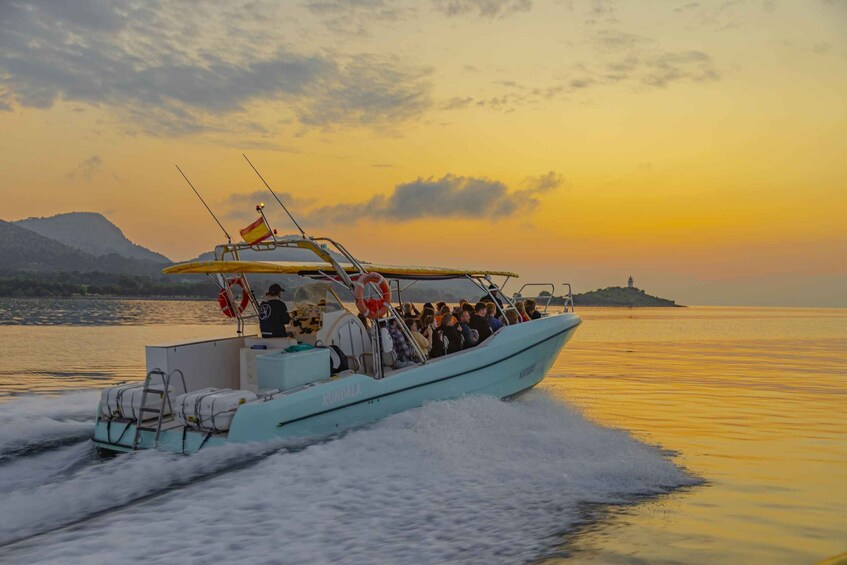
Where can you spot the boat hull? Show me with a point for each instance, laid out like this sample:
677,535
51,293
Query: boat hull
511,362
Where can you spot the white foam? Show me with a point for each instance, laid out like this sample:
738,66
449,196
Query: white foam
30,421
46,466
473,480
109,485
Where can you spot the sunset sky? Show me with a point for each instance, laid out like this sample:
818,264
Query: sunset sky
699,146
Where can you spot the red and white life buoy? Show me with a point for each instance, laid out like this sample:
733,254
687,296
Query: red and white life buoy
372,307
229,309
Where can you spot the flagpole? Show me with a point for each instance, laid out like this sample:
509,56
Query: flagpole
228,238
275,196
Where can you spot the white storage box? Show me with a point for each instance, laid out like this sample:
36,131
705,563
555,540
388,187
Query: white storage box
248,356
210,409
285,371
124,401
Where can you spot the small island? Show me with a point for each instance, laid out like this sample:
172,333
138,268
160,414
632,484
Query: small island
618,296
622,296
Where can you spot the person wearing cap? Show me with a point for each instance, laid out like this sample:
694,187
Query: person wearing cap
273,313
495,292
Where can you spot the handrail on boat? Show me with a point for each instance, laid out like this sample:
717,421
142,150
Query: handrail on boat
549,296
568,297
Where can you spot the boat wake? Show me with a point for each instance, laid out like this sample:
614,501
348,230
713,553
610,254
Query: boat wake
31,424
474,479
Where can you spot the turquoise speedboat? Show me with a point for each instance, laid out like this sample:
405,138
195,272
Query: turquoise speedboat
246,388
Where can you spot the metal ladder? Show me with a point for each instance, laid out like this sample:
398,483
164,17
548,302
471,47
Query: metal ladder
166,398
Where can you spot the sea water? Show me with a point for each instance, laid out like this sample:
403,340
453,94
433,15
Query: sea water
672,435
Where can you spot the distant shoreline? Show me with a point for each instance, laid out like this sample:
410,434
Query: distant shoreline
191,298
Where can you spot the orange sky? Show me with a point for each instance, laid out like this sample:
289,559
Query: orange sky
699,147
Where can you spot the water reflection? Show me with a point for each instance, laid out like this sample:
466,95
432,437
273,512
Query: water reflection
111,312
753,401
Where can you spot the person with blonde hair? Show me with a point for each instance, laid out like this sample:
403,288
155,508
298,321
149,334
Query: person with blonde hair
491,315
512,317
521,310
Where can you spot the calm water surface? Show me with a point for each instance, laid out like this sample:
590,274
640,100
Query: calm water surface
746,408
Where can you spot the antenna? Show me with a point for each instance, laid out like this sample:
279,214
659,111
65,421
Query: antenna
275,196
229,239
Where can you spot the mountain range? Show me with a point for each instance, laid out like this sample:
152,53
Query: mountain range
24,251
42,251
92,233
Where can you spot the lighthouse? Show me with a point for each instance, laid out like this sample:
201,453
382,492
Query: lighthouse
630,283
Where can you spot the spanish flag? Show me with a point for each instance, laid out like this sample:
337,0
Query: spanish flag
256,232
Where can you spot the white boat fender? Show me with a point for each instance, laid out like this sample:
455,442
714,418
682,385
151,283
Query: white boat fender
211,409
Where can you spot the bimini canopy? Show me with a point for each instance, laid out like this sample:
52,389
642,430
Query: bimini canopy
317,268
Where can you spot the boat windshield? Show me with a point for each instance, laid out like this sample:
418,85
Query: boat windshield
312,302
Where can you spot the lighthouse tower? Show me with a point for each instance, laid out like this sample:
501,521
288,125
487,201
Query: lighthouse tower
629,283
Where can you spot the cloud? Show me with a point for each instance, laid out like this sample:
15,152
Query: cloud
482,8
356,17
822,47
87,169
450,196
622,59
160,66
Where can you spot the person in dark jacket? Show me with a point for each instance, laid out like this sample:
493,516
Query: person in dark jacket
495,293
446,339
531,311
480,323
469,340
273,313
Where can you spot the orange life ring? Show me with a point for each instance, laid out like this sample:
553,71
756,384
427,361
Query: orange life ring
372,307
231,310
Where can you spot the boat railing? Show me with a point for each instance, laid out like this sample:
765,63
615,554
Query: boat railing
490,289
548,296
568,297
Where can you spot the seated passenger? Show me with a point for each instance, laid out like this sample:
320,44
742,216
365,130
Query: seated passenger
480,323
491,316
446,339
429,326
531,311
521,311
273,313
409,311
404,351
423,342
442,311
468,338
512,317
